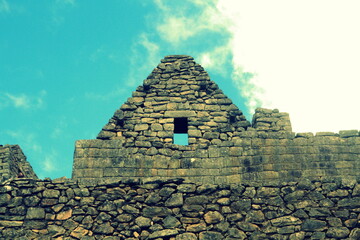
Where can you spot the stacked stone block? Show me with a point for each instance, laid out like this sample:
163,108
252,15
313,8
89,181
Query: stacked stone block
177,88
223,147
13,163
178,210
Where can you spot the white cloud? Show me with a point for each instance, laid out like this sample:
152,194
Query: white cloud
215,59
306,58
22,101
49,164
177,26
28,140
4,6
145,55
301,57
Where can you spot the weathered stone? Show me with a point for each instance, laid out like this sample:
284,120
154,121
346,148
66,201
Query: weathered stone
349,202
4,199
123,218
285,221
255,216
143,222
141,127
55,231
79,232
197,200
175,200
179,114
35,213
210,235
236,233
186,236
199,227
212,217
35,224
267,192
64,215
241,205
247,227
155,211
311,225
130,209
163,233
297,236
104,228
355,233
337,232
51,193
6,223
171,222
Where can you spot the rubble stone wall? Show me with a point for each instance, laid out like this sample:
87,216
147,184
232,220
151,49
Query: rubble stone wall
177,210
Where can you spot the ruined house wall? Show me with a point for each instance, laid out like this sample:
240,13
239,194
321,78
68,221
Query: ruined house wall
223,147
176,210
13,163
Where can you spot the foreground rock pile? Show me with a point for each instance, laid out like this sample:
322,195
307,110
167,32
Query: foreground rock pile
173,209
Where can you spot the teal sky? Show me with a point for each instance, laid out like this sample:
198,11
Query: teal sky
67,65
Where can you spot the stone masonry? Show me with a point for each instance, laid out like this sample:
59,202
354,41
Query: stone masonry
232,179
176,210
178,97
13,163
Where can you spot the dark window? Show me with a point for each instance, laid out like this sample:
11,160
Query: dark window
180,125
181,131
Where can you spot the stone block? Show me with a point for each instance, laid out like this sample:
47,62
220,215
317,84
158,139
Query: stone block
235,151
349,133
141,127
179,114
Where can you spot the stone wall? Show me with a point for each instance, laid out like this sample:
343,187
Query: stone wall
248,158
177,210
13,163
178,97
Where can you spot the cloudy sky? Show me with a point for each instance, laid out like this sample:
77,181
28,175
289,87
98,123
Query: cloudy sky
67,65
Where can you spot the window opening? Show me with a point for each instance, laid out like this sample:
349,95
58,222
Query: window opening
181,131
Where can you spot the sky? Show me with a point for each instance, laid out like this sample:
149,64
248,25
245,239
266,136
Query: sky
67,65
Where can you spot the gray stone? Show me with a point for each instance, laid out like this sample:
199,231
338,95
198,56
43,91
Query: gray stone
236,233
51,193
35,213
210,235
241,205
349,202
179,114
104,228
171,222
163,233
143,222
155,212
186,236
197,200
4,199
212,217
312,225
175,200
337,232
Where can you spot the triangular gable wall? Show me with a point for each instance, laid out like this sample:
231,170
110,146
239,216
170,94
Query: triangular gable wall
177,88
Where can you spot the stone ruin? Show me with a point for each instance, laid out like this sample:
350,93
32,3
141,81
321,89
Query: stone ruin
231,179
13,163
179,99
